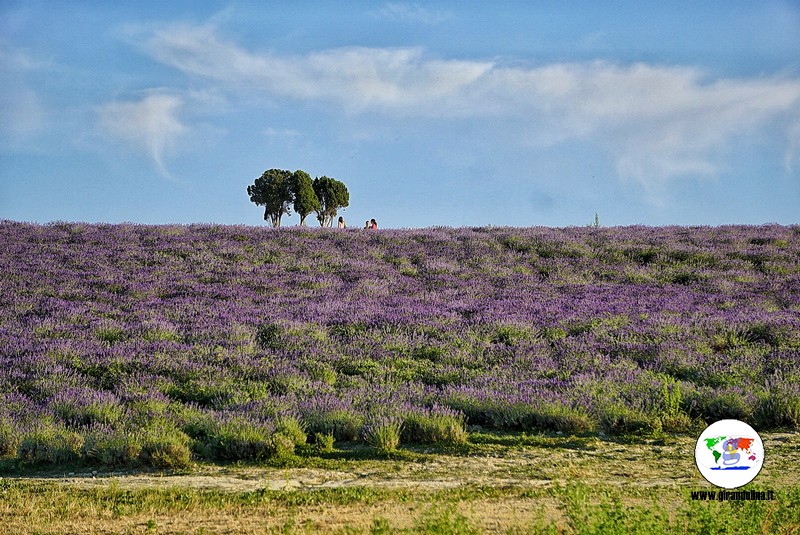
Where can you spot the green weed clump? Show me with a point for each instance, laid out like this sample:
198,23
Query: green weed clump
383,432
622,420
324,442
237,439
779,407
526,417
164,446
9,439
289,434
673,419
343,425
724,405
112,447
561,418
97,412
244,439
50,445
432,428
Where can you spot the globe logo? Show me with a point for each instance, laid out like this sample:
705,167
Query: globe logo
729,454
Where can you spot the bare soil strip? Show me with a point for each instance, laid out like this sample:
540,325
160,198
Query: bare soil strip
651,463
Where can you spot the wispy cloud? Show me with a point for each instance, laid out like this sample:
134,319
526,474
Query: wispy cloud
151,124
412,13
22,113
399,79
657,122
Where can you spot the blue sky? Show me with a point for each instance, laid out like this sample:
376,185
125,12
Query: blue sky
446,113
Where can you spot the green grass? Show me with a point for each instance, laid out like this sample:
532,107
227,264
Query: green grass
510,483
573,508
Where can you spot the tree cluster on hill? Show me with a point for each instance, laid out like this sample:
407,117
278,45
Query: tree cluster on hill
278,191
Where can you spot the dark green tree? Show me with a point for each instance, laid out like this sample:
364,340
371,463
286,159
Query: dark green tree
305,199
332,195
272,190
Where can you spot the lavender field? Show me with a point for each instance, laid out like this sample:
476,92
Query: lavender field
123,344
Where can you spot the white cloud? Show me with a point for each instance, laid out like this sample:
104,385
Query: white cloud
413,13
22,113
150,124
356,78
657,122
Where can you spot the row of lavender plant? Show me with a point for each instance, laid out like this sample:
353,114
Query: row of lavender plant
154,343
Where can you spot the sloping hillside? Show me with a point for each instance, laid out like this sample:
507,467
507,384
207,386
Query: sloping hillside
125,343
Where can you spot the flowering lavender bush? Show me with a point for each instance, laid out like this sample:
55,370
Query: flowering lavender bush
621,330
382,431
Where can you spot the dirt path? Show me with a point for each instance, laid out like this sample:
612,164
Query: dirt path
647,464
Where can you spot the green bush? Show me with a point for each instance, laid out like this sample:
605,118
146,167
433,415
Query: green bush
116,448
342,424
231,440
292,428
510,334
50,445
382,432
621,420
282,445
561,418
673,419
9,439
779,408
324,442
444,429
676,423
97,412
164,446
271,336
726,405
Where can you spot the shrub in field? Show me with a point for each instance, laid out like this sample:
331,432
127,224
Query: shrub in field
779,407
382,432
281,336
50,444
621,420
515,416
676,423
477,411
164,446
510,334
110,334
343,425
521,416
272,336
112,447
673,419
324,442
210,392
562,418
83,407
732,403
292,428
320,371
239,439
9,438
145,410
435,426
282,445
